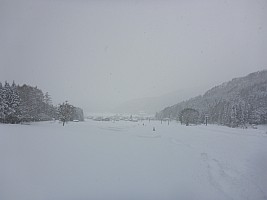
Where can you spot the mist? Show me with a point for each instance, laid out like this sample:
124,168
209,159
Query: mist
101,54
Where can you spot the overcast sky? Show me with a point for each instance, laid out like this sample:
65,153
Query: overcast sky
97,54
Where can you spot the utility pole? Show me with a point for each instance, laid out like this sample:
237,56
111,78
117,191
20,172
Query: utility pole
206,119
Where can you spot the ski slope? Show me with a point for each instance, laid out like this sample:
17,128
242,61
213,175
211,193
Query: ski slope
128,160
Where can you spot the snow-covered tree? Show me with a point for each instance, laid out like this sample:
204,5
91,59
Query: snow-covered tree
27,103
189,116
47,99
78,114
65,111
33,106
48,107
9,102
2,106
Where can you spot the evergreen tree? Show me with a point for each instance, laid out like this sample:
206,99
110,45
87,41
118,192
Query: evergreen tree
10,101
47,99
32,103
27,103
2,105
48,107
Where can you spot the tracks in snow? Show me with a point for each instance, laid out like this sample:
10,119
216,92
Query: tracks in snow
230,182
180,142
226,180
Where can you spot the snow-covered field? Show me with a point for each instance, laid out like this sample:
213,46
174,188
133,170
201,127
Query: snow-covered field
126,160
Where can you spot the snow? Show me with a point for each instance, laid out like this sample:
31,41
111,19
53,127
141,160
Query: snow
128,160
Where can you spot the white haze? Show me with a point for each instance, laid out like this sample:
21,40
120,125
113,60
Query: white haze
100,54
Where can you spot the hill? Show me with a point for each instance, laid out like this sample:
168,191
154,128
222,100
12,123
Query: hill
151,105
235,103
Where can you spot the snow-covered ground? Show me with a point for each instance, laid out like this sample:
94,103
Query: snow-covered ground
128,160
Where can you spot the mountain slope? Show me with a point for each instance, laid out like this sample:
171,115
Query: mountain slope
151,105
234,103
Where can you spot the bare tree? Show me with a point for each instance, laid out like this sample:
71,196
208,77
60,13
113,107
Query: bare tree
65,111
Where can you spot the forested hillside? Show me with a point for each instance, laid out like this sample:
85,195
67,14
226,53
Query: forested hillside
27,103
236,103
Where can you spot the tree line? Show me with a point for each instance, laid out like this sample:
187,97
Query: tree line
26,104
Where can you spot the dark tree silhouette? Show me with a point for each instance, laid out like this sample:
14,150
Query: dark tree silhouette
189,116
65,111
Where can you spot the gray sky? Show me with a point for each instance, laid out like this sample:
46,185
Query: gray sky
97,54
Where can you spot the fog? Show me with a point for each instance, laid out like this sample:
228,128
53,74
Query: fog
100,54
